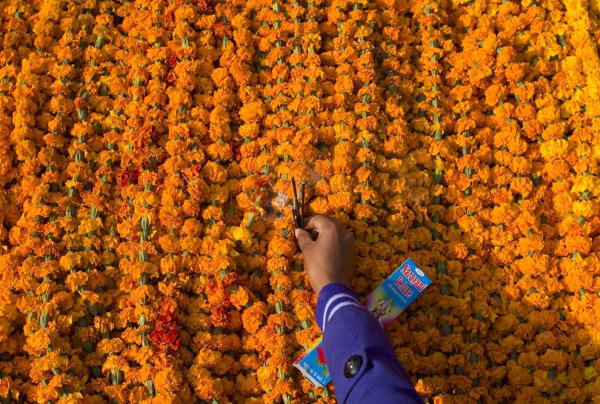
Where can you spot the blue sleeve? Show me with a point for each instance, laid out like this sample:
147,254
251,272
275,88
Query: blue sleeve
355,342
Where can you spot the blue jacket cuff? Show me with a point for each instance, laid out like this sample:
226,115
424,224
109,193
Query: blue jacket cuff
331,298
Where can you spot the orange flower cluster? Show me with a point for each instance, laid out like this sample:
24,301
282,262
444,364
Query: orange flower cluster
146,151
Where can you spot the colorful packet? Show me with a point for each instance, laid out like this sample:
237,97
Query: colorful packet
386,303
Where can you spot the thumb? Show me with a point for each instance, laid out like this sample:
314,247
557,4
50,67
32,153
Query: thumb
303,237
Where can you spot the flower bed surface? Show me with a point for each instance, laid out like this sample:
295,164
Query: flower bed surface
146,152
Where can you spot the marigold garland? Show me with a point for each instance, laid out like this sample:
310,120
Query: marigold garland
146,148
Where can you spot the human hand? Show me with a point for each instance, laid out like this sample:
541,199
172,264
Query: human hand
329,255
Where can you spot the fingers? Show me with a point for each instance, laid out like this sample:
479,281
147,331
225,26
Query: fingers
319,223
304,238
315,222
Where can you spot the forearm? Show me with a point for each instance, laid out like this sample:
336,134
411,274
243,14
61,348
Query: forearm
352,336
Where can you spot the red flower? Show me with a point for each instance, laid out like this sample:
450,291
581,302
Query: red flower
262,183
229,279
261,189
128,175
172,61
167,318
204,5
165,335
235,147
219,317
170,21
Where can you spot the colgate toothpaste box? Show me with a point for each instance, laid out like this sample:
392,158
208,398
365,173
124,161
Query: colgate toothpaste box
386,303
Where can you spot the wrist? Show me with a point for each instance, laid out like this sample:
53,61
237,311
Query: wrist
326,281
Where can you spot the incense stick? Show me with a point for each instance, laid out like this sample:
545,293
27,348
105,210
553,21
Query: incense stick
302,206
295,207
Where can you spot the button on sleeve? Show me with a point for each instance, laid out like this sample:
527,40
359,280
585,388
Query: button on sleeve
352,366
